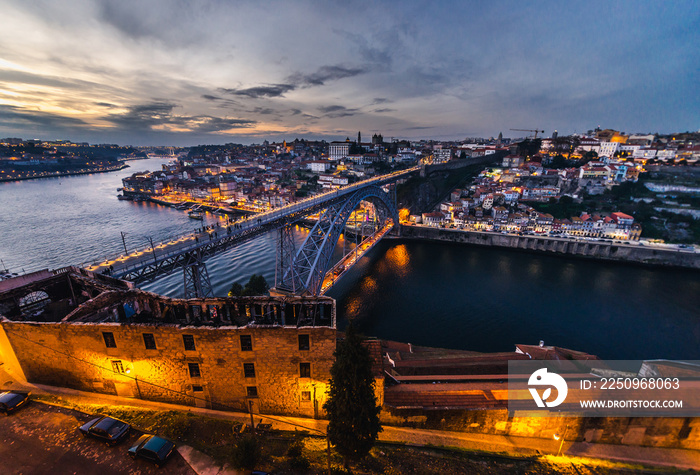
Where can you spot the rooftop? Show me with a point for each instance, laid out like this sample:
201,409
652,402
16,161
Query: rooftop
75,295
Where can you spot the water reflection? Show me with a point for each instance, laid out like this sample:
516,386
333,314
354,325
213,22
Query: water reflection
472,298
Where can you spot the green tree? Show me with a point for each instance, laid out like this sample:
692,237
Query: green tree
257,285
353,413
530,147
236,290
559,162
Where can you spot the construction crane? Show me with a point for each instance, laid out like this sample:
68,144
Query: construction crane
536,131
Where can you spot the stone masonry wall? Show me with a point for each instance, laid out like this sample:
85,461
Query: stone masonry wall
75,355
669,432
592,249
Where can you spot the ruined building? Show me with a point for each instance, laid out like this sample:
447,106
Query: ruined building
77,329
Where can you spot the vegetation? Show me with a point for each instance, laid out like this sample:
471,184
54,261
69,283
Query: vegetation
257,285
352,409
247,453
422,194
530,147
564,208
219,440
559,162
297,460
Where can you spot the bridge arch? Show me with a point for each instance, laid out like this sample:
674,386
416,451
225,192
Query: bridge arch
308,267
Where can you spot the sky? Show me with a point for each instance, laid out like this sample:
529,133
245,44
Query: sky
176,72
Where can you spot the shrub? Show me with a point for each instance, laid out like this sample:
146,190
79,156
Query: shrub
247,453
295,449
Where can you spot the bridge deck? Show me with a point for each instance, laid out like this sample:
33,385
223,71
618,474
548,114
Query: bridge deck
147,264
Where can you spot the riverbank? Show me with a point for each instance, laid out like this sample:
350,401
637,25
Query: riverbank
629,252
57,174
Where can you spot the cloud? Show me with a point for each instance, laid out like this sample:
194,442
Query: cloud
14,117
159,115
325,74
380,111
209,97
273,90
297,80
144,115
336,111
264,110
209,124
58,82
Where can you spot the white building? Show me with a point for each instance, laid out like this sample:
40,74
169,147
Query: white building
644,153
608,149
338,150
318,166
442,155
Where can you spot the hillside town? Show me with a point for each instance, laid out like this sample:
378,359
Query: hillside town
512,195
502,199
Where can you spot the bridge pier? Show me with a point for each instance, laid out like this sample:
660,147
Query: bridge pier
285,281
197,283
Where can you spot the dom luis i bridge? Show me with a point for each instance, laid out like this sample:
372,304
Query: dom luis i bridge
307,270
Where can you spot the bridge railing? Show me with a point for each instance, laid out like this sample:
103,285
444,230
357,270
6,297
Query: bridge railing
245,224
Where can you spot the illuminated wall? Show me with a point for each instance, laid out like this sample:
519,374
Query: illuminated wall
210,369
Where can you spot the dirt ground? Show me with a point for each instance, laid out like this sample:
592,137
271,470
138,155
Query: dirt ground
41,439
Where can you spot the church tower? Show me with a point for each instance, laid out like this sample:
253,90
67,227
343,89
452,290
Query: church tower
359,138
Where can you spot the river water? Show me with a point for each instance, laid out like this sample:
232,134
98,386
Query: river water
426,293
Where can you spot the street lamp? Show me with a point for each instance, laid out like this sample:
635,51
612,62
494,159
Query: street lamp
124,242
562,438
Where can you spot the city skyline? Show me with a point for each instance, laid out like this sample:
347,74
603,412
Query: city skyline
157,74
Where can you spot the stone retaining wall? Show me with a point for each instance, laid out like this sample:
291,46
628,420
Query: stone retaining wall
609,251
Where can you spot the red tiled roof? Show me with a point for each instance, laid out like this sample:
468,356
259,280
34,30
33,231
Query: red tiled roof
618,215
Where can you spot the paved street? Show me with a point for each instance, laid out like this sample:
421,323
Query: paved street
41,439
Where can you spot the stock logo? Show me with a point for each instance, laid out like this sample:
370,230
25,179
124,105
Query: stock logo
542,378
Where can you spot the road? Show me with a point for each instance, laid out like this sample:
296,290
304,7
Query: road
41,439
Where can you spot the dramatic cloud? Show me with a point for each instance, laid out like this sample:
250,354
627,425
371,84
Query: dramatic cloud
160,114
14,118
232,71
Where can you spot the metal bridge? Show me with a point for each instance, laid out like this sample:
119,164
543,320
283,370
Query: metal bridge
303,271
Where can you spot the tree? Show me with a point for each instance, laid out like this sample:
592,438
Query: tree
530,147
559,162
246,453
236,290
353,413
257,285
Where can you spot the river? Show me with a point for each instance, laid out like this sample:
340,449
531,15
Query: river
426,293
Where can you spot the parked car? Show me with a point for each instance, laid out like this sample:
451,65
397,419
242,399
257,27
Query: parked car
106,429
152,448
10,401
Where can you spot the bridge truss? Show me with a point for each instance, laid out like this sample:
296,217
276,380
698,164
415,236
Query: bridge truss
302,272
299,271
